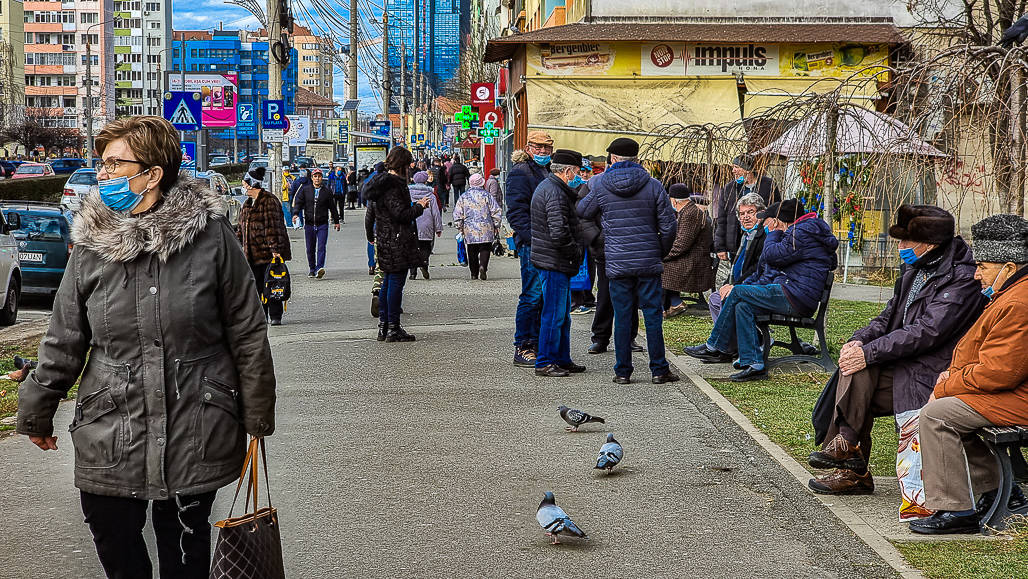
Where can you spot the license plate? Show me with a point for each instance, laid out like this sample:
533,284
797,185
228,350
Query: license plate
36,257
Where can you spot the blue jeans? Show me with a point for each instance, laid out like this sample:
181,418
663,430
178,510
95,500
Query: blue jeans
555,322
390,297
736,326
530,302
371,256
629,294
317,237
287,213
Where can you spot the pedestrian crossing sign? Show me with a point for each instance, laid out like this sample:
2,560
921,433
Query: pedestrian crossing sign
183,110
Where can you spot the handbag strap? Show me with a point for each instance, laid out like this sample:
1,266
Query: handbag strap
251,465
242,476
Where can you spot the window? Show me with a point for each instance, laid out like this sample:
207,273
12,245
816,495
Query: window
67,39
90,38
153,6
153,41
95,58
89,18
69,102
155,25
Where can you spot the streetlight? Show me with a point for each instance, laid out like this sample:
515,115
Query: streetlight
89,93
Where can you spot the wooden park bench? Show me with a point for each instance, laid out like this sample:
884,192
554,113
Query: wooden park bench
1006,443
801,351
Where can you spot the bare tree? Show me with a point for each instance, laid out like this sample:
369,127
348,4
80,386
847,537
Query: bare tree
32,131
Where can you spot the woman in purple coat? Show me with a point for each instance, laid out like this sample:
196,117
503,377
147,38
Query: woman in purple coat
430,223
477,216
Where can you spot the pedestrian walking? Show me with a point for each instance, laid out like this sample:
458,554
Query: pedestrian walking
430,223
362,178
351,188
263,235
338,187
492,185
531,166
639,228
389,225
457,174
315,201
557,254
441,184
477,216
303,177
688,266
159,317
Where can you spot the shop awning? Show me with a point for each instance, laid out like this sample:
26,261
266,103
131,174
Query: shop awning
763,94
586,115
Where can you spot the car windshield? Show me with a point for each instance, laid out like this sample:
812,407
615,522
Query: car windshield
83,178
41,227
33,170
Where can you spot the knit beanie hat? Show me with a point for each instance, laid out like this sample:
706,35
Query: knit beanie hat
255,178
421,177
1001,239
476,180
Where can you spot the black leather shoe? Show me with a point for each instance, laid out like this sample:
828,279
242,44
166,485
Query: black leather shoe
707,355
636,347
621,380
572,368
552,371
749,374
739,366
273,322
597,348
665,378
383,329
946,523
1017,501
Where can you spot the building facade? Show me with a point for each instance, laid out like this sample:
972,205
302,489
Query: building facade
316,60
142,35
12,58
431,31
318,109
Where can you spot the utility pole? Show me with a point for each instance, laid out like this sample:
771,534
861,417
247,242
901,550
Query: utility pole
403,91
89,103
351,80
387,91
275,89
415,82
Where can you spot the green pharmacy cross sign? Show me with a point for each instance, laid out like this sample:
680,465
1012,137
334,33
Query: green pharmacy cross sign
465,116
488,133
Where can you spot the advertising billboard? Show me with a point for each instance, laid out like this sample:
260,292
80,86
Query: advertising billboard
219,95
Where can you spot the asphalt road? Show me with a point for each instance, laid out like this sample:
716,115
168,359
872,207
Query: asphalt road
429,459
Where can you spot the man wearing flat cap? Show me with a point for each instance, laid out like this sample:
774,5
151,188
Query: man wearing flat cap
531,166
639,228
557,255
986,384
727,230
888,368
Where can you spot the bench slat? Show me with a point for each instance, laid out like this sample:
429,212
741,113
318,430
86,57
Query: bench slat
1004,434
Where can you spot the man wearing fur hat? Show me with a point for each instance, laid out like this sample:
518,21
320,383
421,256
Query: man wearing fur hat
727,230
890,366
986,385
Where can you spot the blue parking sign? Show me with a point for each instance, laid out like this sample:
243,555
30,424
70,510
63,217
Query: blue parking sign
246,119
273,115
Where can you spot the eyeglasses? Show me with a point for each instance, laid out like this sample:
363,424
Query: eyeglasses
747,213
111,165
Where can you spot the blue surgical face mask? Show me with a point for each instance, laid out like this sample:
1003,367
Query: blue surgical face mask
767,230
989,291
740,180
908,255
116,194
575,182
542,159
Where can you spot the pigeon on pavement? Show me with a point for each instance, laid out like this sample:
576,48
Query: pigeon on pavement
577,418
1016,34
611,454
555,521
20,363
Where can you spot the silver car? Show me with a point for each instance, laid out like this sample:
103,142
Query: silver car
216,181
78,186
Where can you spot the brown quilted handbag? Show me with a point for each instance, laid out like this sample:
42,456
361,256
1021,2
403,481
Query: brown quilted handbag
249,546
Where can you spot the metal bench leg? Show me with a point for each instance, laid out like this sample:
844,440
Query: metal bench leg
826,361
765,332
995,519
1018,463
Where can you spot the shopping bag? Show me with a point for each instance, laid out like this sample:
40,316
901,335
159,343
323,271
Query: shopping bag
908,468
250,546
462,250
582,282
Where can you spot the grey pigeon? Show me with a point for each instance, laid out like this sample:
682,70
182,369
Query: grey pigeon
611,454
20,363
555,521
1016,34
577,418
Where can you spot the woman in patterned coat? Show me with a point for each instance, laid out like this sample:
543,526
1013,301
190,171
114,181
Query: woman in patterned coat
262,231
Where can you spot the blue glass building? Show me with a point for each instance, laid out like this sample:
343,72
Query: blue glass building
225,51
431,31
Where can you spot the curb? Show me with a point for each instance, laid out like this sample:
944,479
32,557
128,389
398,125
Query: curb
862,530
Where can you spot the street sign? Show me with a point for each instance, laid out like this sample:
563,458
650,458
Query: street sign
381,128
246,119
343,137
298,130
188,157
466,116
492,115
183,109
273,114
482,94
272,135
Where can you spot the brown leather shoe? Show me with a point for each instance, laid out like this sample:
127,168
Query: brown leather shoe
843,481
839,453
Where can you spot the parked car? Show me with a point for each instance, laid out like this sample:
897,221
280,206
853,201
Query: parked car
9,167
10,270
305,162
220,160
217,182
78,186
258,162
44,243
66,166
29,170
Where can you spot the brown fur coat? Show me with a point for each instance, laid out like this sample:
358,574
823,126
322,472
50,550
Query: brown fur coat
262,229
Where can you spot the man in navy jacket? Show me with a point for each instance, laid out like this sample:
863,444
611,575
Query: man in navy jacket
639,228
530,168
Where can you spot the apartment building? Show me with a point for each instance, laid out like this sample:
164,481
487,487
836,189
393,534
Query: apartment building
12,57
142,43
317,57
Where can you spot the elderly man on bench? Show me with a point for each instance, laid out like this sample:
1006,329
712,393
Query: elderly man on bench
798,257
986,385
890,366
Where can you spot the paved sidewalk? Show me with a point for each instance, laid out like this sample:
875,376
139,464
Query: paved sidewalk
429,459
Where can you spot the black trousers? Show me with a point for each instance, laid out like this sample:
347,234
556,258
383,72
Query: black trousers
603,318
478,257
117,527
272,309
340,201
425,252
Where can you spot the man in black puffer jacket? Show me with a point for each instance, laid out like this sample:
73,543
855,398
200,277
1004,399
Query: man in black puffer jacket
557,254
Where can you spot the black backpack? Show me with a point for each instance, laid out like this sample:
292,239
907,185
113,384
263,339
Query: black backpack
276,282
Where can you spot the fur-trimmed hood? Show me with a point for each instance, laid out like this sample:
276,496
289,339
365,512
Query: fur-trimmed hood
520,156
185,212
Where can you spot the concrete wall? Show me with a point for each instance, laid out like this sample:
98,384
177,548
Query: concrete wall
895,9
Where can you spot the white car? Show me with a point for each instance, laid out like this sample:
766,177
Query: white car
219,160
10,269
78,186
